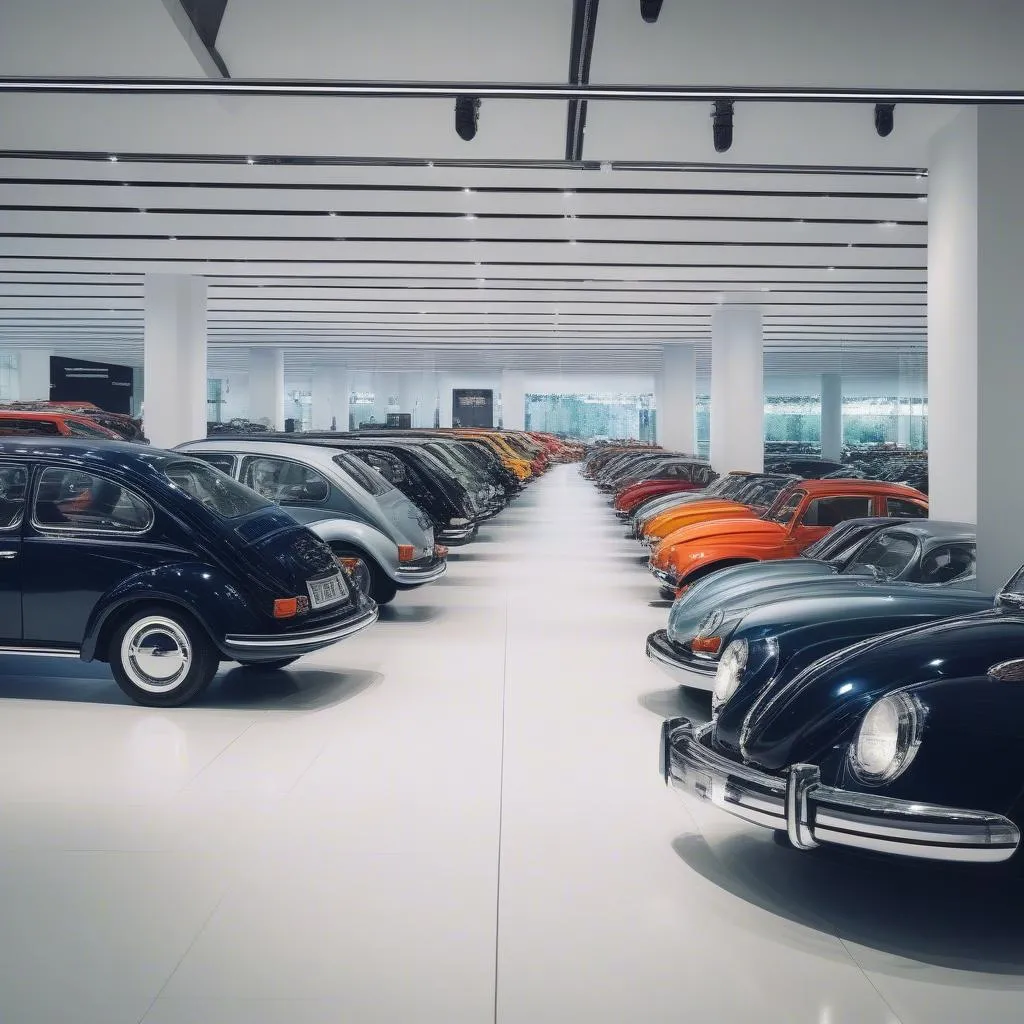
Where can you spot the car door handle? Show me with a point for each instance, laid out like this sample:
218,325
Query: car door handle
8,555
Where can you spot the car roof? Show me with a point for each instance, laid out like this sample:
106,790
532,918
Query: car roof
100,451
929,529
48,415
853,486
319,453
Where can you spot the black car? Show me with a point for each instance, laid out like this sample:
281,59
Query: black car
160,565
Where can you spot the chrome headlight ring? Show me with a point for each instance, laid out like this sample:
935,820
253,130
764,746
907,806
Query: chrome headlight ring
888,739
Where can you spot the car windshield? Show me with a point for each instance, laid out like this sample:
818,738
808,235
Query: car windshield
889,553
785,506
367,478
838,544
1013,592
216,490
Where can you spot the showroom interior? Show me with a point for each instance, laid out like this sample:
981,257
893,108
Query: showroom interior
543,401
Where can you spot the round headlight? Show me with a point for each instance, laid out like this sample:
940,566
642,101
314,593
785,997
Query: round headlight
888,739
729,674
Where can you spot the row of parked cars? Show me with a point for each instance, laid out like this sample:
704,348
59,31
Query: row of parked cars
862,690
255,549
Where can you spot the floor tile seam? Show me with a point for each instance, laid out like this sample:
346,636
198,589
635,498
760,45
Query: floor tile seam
213,760
896,1018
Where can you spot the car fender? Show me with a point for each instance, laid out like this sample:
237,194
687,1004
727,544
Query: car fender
368,539
204,591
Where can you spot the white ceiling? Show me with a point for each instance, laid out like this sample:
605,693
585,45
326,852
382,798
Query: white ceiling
326,246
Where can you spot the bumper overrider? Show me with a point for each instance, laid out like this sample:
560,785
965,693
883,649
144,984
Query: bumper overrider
680,663
273,646
812,814
663,576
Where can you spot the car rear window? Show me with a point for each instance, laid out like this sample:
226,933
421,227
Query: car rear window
35,428
369,479
214,489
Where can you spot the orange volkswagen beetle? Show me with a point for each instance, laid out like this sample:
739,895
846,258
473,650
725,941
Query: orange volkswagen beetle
802,514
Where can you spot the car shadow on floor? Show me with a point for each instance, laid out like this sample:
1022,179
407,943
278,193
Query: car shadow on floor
410,613
289,689
953,916
678,703
293,689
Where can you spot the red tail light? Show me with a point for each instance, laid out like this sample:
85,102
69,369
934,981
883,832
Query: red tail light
406,552
286,607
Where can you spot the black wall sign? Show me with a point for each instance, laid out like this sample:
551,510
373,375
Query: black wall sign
472,407
401,420
79,380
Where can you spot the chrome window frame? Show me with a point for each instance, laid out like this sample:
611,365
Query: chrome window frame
16,525
79,531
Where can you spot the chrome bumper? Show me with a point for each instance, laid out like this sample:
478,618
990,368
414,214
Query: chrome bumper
271,645
812,814
415,576
662,575
681,665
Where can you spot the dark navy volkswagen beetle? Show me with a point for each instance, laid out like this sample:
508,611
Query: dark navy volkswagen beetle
909,743
160,565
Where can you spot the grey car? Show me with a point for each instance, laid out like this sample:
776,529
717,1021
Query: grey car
385,537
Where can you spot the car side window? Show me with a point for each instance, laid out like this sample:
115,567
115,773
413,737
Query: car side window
68,499
900,509
36,428
284,482
890,553
13,484
832,511
219,460
77,428
948,562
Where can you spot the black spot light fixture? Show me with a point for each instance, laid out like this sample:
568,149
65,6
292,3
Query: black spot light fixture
467,116
884,118
721,121
649,10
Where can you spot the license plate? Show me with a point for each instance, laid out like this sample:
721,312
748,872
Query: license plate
326,592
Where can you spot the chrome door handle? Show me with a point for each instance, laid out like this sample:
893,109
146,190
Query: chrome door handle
8,555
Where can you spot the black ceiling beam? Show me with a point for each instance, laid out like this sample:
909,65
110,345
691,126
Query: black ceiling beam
584,28
198,21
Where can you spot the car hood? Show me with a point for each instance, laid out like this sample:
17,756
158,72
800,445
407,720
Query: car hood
711,508
748,532
798,718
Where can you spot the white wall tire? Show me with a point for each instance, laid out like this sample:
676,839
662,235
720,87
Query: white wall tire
160,657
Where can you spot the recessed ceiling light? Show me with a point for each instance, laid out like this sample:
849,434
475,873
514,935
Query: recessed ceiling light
887,223
481,280
766,289
606,165
331,213
430,163
572,241
831,268
468,191
141,210
250,161
112,158
568,193
172,238
922,199
478,264
470,216
919,177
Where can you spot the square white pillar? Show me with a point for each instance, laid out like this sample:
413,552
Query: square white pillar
737,389
34,374
677,399
832,416
174,406
976,331
513,399
266,386
331,392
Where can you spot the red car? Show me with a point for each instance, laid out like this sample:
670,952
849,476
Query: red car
52,424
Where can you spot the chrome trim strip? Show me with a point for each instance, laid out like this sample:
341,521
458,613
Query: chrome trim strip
434,572
964,854
40,652
303,639
699,676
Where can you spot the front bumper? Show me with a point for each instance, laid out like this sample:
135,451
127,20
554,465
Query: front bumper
664,576
812,814
273,646
456,534
679,663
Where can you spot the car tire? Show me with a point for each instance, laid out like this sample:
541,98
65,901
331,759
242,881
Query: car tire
161,657
271,666
382,588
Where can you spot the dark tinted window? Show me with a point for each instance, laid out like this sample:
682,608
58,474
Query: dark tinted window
891,553
947,563
13,482
369,479
36,428
900,509
214,489
80,428
68,499
831,511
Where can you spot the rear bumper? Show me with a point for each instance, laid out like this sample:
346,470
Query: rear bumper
418,575
273,646
812,814
680,664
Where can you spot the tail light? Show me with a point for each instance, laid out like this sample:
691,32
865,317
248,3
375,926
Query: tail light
286,607
406,552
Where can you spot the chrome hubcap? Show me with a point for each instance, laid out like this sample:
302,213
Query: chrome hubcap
156,654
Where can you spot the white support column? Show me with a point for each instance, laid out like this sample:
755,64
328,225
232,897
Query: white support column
331,391
266,386
832,416
677,400
737,389
174,406
444,400
975,309
513,399
34,374
426,400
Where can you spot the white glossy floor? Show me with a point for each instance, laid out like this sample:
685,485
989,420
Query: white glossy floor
455,817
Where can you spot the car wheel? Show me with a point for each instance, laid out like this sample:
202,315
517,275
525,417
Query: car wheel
271,666
161,657
380,586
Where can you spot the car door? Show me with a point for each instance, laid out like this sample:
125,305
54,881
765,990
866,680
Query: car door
86,532
13,489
